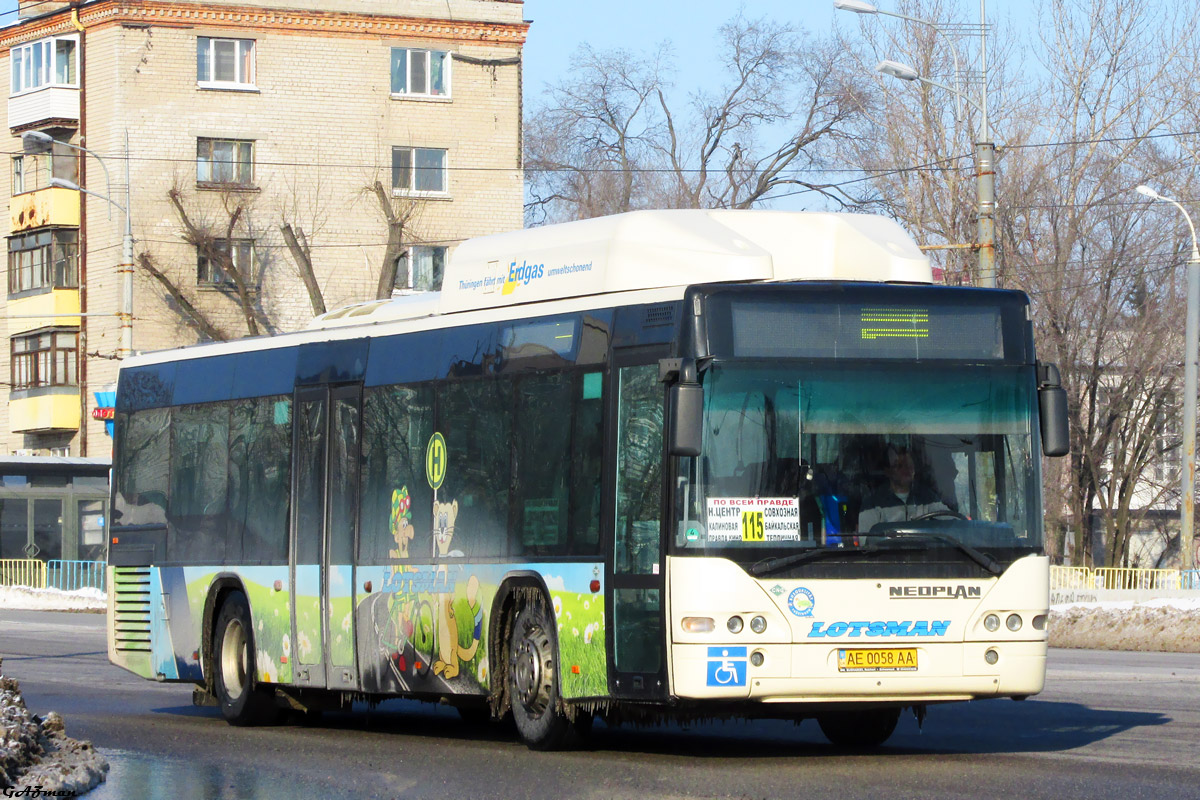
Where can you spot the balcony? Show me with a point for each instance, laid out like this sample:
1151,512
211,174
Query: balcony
30,313
56,410
50,106
51,206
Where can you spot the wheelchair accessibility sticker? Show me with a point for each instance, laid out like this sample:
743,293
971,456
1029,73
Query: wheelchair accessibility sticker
727,666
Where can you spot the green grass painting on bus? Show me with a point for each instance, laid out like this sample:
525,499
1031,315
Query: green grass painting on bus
272,632
580,618
271,614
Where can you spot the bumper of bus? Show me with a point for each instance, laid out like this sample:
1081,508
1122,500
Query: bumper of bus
808,673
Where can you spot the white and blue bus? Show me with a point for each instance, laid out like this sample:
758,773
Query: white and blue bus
663,464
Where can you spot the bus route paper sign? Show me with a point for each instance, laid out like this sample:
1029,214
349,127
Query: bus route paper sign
753,519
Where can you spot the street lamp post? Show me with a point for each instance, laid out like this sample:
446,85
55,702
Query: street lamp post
985,149
1191,348
36,141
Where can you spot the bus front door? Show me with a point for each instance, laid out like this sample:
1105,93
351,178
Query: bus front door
326,444
638,642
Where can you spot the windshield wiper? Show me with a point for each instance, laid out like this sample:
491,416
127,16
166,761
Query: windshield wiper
982,559
776,563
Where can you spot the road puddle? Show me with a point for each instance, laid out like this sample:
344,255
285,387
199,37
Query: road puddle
142,776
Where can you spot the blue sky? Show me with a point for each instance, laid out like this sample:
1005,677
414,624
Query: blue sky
560,26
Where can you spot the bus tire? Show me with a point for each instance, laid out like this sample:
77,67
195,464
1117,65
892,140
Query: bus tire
533,680
242,700
869,727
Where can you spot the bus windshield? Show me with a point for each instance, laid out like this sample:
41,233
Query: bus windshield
898,458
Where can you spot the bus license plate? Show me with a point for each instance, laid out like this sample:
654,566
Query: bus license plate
903,659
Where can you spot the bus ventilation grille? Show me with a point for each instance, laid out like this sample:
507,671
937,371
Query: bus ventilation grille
659,315
131,620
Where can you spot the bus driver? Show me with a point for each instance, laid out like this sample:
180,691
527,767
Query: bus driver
899,499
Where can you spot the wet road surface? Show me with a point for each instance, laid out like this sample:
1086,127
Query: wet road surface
1108,725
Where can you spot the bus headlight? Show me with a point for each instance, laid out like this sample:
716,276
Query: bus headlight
1039,622
991,622
991,657
1013,622
758,624
698,624
735,624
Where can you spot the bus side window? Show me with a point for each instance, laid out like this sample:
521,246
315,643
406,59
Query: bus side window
475,417
397,504
587,465
260,464
196,512
142,468
541,441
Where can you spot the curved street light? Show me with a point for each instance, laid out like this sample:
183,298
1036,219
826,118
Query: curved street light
985,172
860,7
1191,331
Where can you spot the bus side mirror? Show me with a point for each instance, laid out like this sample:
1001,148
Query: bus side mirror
685,428
1052,412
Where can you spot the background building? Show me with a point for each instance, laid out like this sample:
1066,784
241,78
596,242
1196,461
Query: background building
353,135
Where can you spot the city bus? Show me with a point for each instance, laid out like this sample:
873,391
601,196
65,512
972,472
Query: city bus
663,465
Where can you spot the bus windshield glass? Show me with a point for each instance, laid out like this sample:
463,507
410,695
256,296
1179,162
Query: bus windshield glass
883,458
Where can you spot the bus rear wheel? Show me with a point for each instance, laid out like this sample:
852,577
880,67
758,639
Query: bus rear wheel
869,727
243,702
533,680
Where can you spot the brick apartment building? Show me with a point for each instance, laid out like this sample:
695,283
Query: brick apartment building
238,119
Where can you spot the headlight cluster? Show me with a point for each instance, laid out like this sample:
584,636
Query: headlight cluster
734,624
1013,622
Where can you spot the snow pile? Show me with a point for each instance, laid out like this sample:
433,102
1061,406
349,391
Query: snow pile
36,753
1165,625
23,597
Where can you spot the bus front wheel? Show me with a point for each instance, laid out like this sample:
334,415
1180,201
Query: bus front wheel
533,680
242,701
869,727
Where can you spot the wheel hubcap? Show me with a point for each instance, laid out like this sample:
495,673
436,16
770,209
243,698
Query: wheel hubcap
235,659
532,671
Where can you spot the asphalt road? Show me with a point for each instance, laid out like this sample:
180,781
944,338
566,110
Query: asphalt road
1110,725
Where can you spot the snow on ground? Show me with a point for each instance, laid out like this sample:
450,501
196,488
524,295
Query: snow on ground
37,756
23,597
1166,625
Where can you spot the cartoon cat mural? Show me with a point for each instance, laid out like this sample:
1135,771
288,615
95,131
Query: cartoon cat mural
450,651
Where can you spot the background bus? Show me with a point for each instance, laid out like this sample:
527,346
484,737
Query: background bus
618,466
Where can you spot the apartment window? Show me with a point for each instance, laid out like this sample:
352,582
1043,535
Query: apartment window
46,259
33,171
1168,441
225,63
49,358
418,170
47,62
421,269
212,270
225,161
420,72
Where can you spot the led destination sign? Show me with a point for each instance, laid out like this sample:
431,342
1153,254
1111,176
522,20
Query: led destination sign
899,324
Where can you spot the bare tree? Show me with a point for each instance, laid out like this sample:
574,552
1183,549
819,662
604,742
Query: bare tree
611,136
1104,276
592,148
